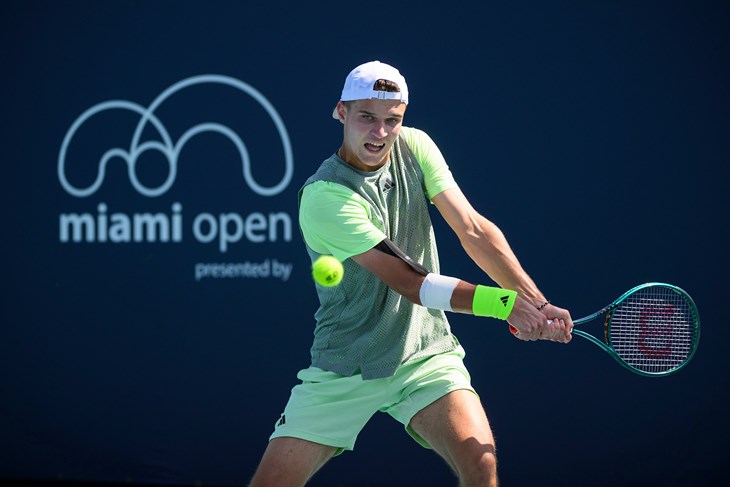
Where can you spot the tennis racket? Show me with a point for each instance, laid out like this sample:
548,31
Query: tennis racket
653,329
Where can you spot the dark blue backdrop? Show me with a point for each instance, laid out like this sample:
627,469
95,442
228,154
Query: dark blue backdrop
594,133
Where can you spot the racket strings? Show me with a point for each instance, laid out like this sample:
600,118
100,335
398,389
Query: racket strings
653,330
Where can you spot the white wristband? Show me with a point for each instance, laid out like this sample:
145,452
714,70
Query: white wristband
436,291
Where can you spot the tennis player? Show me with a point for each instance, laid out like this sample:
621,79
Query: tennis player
382,341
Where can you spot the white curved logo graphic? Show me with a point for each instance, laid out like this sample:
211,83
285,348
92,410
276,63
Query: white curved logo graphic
167,148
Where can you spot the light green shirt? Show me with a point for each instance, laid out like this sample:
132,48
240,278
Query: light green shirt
362,324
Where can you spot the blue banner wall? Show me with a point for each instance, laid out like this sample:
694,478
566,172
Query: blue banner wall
158,302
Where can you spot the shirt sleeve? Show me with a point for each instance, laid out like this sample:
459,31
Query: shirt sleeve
436,172
336,221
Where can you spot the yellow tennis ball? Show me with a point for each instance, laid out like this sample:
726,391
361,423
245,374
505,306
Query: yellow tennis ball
327,271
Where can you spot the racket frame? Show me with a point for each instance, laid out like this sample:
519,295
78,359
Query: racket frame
608,311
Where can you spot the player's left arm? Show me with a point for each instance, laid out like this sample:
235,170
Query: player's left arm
487,246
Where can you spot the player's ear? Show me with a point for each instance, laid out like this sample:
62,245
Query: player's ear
341,111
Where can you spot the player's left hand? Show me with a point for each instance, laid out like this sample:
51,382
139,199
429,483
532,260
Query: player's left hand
529,323
551,323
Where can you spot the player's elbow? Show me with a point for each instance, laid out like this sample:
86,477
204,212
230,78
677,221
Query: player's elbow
410,288
482,236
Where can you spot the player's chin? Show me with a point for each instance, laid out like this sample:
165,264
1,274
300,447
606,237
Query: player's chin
374,156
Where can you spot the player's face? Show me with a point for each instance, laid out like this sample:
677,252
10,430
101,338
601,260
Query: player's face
371,128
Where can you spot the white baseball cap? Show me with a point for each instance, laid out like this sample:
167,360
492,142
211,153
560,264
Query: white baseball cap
360,82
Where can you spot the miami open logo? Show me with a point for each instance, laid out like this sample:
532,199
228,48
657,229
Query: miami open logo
171,150
150,135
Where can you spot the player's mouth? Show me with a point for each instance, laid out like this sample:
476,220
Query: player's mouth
374,148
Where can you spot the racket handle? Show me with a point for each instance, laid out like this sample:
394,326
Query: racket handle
515,331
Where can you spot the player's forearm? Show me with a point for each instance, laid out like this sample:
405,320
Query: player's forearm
488,247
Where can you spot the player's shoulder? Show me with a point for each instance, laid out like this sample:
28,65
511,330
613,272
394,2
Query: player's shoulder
413,133
417,139
322,195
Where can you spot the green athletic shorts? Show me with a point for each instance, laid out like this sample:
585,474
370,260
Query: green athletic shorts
332,409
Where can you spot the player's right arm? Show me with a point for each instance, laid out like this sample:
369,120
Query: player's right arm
483,242
487,246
